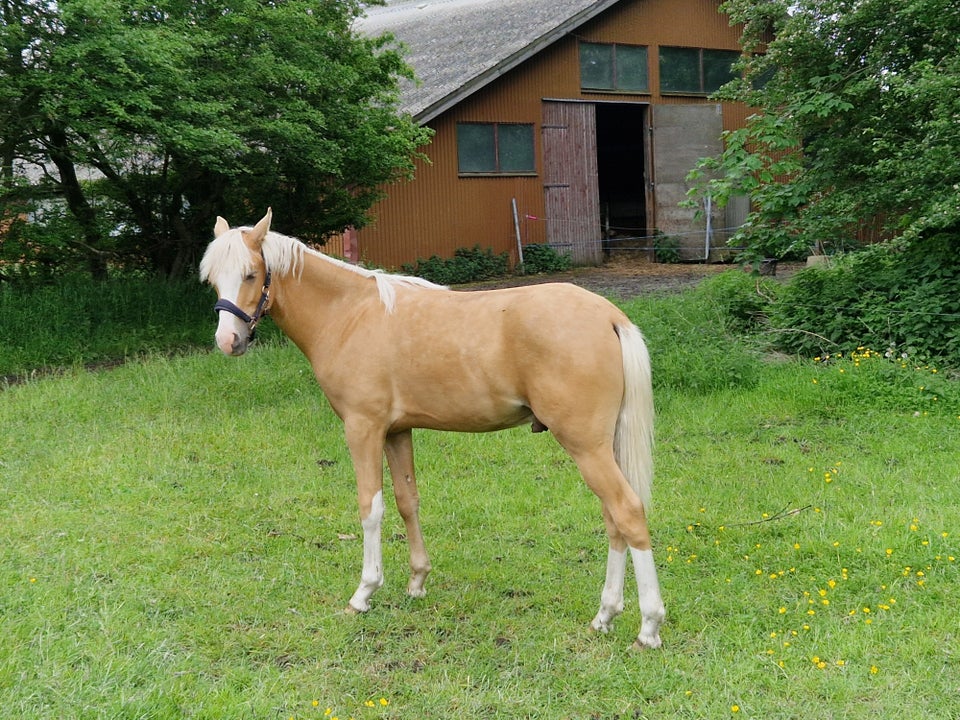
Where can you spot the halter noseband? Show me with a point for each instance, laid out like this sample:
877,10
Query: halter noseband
250,320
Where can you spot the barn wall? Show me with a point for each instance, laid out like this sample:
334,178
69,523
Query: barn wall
438,211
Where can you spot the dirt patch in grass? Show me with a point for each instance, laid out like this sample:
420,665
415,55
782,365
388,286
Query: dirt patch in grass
624,277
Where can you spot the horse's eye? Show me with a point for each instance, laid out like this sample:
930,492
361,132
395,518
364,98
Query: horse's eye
251,277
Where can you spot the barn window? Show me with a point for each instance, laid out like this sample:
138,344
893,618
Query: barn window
495,148
695,71
613,67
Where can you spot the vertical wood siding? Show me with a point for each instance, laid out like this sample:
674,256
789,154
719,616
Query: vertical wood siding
439,211
571,197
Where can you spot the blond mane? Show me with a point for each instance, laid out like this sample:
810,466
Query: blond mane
284,256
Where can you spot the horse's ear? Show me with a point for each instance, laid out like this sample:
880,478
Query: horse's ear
221,227
260,230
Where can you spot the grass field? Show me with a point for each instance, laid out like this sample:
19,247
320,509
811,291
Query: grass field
179,536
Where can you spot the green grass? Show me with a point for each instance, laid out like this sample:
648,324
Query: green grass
179,537
81,321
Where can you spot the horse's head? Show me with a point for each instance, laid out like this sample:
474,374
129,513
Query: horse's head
234,265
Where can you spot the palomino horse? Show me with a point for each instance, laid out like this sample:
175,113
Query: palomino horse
393,353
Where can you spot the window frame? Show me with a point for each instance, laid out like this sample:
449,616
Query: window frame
497,169
701,68
615,86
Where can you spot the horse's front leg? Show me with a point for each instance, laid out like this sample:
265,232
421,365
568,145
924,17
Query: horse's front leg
366,449
400,459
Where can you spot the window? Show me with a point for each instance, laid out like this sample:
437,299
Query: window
695,70
613,67
495,148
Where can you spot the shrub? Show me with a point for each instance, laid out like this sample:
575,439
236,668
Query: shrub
666,248
543,259
887,296
465,266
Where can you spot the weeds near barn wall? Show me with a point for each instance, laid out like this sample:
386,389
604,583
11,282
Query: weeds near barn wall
466,265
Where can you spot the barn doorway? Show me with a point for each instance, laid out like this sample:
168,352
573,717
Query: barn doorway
623,175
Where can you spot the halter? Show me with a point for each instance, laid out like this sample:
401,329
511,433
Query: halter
250,320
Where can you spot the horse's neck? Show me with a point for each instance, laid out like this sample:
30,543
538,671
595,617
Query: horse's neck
317,298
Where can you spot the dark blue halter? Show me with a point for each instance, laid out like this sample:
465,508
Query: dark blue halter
250,320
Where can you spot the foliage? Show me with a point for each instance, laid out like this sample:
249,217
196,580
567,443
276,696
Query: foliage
177,544
892,381
466,265
857,102
666,248
742,300
35,241
541,258
80,321
695,346
147,122
903,297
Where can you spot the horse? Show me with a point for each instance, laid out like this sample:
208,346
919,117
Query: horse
393,353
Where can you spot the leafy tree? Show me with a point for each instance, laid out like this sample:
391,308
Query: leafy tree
148,118
858,121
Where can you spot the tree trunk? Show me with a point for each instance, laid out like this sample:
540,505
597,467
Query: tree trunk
81,210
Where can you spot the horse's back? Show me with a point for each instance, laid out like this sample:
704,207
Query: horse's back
559,320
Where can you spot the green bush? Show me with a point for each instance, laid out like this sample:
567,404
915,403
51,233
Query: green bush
888,296
666,248
465,266
543,259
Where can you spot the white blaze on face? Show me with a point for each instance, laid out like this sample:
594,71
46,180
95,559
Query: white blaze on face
232,332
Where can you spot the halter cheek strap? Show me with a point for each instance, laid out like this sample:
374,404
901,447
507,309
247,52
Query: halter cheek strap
250,320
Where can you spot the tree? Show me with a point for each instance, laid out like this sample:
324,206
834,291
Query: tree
185,110
858,121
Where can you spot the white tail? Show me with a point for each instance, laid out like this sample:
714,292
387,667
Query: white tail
633,440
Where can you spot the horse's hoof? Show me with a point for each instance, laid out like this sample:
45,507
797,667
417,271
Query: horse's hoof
642,643
351,610
600,627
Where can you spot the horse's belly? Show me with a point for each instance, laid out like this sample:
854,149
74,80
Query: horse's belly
462,415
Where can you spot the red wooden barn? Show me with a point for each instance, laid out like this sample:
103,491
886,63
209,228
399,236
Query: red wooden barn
584,116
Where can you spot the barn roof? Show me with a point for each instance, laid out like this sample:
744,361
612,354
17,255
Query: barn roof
456,47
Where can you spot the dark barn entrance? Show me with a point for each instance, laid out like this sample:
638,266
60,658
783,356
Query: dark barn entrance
622,172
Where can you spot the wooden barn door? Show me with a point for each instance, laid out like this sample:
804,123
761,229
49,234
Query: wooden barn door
570,190
682,134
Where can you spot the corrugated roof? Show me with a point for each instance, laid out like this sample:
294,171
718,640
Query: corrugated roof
457,47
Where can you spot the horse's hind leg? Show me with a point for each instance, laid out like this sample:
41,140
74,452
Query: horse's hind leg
651,605
399,449
625,510
611,598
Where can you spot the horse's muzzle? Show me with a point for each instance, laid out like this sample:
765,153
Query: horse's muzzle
232,343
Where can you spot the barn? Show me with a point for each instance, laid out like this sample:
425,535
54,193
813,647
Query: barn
567,122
